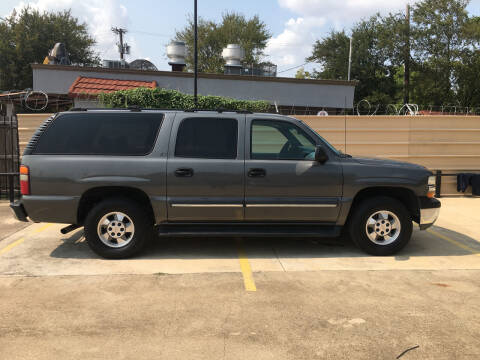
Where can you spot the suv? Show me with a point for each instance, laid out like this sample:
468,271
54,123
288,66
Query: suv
127,175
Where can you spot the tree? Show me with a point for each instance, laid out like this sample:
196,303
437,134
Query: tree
252,34
443,55
467,67
439,28
302,74
28,36
375,59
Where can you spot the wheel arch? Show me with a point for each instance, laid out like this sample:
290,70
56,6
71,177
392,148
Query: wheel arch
404,195
93,196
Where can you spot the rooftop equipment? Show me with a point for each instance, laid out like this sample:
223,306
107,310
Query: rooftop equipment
58,55
115,64
142,64
233,55
176,53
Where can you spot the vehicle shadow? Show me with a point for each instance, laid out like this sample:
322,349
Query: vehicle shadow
423,243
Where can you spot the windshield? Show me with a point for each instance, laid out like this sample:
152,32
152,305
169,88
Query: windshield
330,146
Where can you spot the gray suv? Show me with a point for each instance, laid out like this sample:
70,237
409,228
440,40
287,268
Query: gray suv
129,175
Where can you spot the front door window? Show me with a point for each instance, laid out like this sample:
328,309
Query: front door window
280,140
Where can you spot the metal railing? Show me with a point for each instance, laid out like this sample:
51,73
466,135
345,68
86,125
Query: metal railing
438,180
9,188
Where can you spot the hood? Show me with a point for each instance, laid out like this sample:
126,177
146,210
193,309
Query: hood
387,162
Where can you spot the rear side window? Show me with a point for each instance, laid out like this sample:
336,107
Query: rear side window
210,138
100,134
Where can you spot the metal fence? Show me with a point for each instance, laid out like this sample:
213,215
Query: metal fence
9,157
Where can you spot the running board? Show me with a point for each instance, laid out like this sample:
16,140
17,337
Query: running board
233,230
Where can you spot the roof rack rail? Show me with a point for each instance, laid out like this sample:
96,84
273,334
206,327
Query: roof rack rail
130,108
134,108
138,108
220,110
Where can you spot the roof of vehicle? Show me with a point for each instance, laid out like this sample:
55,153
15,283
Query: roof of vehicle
139,109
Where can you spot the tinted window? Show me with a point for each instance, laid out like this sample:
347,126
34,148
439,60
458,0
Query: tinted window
100,134
280,140
210,138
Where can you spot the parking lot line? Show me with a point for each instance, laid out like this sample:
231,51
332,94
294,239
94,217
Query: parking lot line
454,242
11,246
246,268
40,229
21,240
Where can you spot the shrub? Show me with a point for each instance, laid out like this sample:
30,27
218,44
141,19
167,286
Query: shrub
173,99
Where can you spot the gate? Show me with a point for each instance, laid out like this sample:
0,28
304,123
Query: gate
9,157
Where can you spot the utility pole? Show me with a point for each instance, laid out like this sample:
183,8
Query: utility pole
195,54
350,59
406,80
122,48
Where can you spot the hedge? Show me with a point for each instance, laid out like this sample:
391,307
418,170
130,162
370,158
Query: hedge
173,99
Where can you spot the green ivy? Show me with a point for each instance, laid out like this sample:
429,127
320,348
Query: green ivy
173,99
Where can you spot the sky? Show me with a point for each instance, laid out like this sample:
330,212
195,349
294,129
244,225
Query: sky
151,24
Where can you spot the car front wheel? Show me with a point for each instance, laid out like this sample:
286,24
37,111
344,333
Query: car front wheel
381,226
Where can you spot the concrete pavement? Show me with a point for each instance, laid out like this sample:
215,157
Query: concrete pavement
8,224
187,298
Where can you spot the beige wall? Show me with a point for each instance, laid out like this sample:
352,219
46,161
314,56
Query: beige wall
447,143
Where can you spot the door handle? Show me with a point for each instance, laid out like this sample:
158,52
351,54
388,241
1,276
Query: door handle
184,172
257,173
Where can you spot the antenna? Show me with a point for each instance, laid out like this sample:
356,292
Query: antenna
345,125
122,48
350,58
195,55
406,78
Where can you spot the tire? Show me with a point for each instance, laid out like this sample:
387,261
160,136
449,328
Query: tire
128,222
385,216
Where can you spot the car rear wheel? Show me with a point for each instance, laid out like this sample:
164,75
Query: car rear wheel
381,226
118,228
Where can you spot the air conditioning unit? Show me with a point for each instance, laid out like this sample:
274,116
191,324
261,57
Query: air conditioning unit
115,64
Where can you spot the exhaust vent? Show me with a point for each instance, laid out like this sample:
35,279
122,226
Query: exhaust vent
176,53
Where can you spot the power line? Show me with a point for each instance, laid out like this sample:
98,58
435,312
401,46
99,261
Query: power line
292,68
149,33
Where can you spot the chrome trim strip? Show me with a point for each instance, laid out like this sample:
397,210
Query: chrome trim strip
294,205
209,205
257,205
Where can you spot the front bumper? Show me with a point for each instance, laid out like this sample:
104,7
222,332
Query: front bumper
19,211
429,211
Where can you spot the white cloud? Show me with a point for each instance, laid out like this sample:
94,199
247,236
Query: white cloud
315,19
343,11
100,16
291,46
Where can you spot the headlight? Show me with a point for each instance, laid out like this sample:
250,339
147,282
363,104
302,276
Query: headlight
431,186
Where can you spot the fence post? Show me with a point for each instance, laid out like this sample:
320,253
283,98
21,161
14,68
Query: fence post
11,189
438,184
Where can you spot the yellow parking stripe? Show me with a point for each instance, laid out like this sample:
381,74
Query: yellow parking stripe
454,242
21,240
41,228
11,246
246,269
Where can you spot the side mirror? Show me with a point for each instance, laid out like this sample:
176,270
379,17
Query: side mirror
320,155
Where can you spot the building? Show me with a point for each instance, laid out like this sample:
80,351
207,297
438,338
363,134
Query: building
289,95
